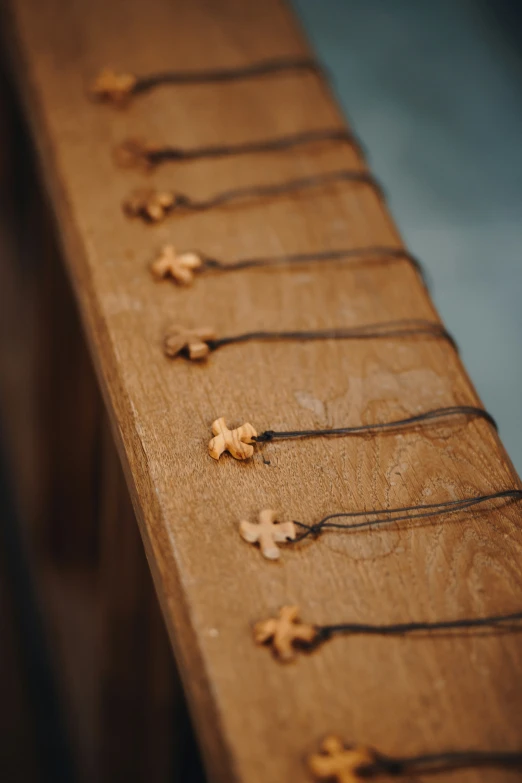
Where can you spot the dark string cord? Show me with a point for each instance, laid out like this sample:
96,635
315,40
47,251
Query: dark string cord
375,253
444,762
438,413
368,763
265,191
380,253
134,152
210,76
163,203
287,634
119,87
509,621
169,263
386,330
402,514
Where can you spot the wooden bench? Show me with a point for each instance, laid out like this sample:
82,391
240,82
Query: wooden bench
255,720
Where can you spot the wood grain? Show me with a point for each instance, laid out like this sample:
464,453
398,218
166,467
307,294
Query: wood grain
256,719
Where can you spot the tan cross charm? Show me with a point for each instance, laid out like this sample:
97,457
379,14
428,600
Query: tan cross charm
193,341
344,765
112,86
236,442
135,152
150,204
179,266
283,632
268,533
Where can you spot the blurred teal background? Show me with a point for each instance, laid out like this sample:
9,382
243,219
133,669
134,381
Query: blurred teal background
434,88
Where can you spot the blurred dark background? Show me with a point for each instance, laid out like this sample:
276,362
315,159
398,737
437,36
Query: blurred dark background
434,88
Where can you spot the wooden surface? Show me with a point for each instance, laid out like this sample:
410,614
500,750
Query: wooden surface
257,719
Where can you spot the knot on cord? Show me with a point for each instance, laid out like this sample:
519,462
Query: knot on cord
265,437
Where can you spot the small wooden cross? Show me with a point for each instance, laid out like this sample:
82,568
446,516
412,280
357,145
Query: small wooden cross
344,765
179,266
267,533
149,204
237,441
193,341
112,86
132,153
283,632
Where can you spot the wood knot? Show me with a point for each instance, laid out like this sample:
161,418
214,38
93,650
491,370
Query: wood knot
335,761
236,442
178,266
267,533
285,633
192,342
112,87
149,204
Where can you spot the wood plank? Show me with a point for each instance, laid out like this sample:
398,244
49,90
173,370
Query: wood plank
256,719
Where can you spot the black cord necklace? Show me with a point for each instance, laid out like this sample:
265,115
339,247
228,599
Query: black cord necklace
152,206
136,153
268,531
183,267
268,436
240,442
198,344
350,764
118,88
286,634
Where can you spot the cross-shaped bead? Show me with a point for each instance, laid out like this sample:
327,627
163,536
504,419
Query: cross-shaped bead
237,441
344,765
150,204
283,632
112,86
135,152
179,266
193,341
267,533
